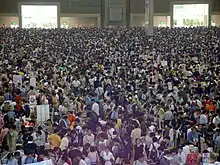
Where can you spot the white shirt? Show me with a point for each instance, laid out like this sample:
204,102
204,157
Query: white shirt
76,83
82,162
108,157
95,108
64,143
89,139
156,145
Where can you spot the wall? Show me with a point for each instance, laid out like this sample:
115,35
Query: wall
216,19
8,20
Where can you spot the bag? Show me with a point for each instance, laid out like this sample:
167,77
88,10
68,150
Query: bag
154,154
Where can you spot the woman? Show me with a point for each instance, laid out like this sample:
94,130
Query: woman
93,156
193,157
138,149
89,138
108,157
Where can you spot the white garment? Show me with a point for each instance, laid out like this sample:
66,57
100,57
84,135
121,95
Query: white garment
76,83
108,157
89,139
110,133
82,162
184,153
87,161
156,145
95,108
64,143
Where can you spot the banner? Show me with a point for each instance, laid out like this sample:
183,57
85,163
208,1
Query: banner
17,79
206,158
46,162
43,113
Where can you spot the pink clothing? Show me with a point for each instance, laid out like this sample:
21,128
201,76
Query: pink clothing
3,133
1,122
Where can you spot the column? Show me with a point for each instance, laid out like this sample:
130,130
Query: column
128,13
149,15
115,12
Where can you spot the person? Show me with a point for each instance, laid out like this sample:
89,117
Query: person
93,156
153,150
108,157
192,157
12,138
141,160
89,138
119,93
136,133
30,146
138,149
64,144
95,107
11,160
54,139
29,158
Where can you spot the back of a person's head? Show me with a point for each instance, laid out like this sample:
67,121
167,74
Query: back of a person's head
155,139
30,138
92,149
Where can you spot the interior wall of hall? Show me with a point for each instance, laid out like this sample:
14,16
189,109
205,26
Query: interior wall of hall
73,12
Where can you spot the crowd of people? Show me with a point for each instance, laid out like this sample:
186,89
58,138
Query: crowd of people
116,96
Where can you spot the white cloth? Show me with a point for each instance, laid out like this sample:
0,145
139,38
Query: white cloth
95,108
108,157
64,143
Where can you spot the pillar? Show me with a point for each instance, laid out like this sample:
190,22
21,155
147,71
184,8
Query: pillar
115,13
149,15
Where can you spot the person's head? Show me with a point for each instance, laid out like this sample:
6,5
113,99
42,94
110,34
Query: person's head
180,149
31,88
41,155
12,127
38,133
107,149
57,150
65,158
138,141
92,149
17,155
141,158
50,152
154,139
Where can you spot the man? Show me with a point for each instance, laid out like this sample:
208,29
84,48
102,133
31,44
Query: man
12,138
95,107
192,137
168,116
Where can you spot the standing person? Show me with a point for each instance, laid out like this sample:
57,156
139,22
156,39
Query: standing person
136,133
168,117
95,107
108,157
10,160
89,138
138,149
54,139
12,138
192,157
65,142
140,161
